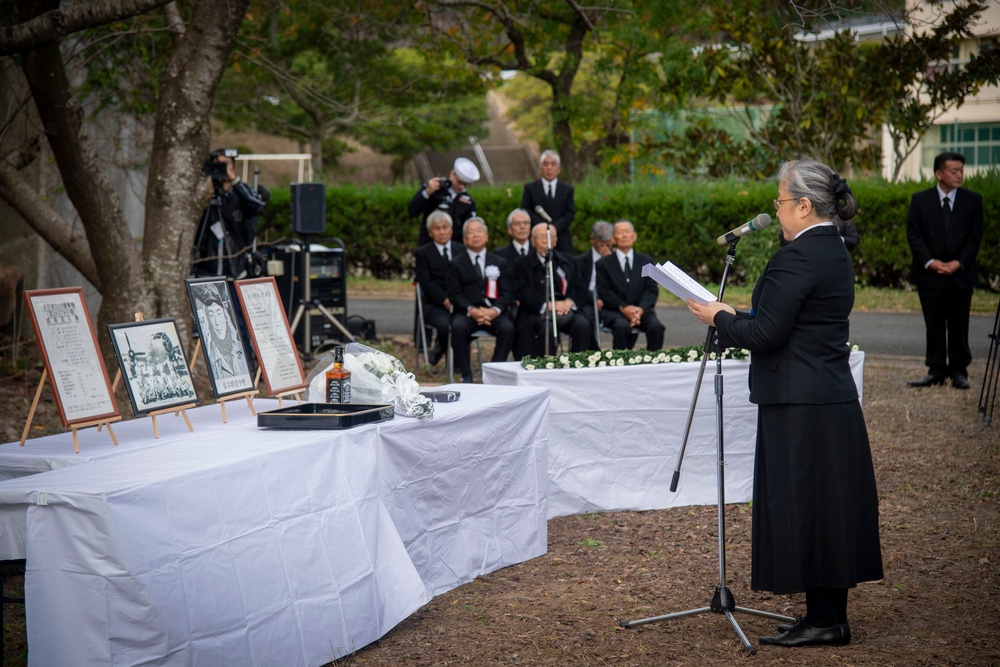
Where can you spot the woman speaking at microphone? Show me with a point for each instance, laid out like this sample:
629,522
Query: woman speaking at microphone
815,506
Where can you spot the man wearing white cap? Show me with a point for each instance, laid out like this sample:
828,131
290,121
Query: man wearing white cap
450,196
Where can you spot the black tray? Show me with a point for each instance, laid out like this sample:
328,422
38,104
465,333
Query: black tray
316,416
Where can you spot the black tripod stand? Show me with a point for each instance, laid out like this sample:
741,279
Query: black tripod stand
988,394
551,329
723,601
212,225
308,302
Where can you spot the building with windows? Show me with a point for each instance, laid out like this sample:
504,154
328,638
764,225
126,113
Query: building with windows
973,129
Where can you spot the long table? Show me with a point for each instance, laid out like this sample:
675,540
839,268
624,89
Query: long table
616,433
257,546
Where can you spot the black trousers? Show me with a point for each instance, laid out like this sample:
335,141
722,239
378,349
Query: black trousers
462,328
946,316
621,330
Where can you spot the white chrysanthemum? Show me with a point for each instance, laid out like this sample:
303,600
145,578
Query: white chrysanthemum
676,358
609,354
621,362
578,364
647,358
602,364
550,365
530,367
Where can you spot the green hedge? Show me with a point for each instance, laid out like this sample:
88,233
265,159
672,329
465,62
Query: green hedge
674,221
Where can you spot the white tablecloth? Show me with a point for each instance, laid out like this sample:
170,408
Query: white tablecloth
253,547
616,433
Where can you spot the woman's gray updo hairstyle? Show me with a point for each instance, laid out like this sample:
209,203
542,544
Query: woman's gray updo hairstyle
829,193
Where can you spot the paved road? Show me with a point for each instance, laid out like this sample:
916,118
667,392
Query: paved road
882,334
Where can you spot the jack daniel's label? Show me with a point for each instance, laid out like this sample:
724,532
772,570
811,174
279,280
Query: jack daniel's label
338,391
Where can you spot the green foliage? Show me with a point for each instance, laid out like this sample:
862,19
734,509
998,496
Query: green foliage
321,72
677,222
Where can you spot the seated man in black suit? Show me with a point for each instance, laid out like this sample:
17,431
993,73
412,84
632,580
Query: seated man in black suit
534,313
480,286
553,195
629,299
519,228
433,260
601,245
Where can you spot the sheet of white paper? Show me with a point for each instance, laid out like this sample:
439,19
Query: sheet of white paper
677,282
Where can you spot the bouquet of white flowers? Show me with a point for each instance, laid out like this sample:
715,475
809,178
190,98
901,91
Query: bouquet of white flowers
376,377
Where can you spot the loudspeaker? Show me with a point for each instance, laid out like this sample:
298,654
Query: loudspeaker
309,208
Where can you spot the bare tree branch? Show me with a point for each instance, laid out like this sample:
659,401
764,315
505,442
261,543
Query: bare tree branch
47,223
57,23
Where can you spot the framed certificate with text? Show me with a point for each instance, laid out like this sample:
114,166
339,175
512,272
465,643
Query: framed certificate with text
270,334
72,357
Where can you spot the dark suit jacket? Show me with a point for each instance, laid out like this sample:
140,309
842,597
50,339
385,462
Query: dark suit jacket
612,288
529,282
929,239
561,208
460,209
510,253
465,289
798,327
432,272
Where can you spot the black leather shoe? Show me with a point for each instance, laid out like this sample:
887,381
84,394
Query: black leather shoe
785,627
803,634
960,381
926,381
435,355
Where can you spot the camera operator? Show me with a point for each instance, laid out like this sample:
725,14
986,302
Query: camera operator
231,217
448,195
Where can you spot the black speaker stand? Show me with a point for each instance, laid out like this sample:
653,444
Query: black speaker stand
307,302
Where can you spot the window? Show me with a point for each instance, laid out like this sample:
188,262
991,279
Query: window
978,142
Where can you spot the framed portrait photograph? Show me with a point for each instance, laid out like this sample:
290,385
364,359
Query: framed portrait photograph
72,357
213,310
153,365
270,334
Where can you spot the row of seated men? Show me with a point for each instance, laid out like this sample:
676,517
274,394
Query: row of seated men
466,288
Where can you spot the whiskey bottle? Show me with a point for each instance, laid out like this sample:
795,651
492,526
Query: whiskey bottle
338,379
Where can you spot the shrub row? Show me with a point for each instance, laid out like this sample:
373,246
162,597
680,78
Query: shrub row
677,222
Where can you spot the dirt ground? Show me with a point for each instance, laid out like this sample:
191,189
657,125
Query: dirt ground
938,471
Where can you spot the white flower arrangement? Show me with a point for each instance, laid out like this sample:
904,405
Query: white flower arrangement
599,359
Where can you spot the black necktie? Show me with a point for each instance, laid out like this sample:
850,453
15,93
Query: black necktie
523,253
444,253
548,192
479,269
628,270
946,211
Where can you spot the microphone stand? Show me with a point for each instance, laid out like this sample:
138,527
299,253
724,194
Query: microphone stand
550,290
723,601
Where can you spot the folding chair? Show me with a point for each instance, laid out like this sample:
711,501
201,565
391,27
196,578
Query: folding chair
420,329
476,336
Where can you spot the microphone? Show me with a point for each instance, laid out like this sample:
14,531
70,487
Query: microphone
542,214
760,222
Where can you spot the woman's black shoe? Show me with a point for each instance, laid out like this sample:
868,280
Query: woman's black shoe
803,634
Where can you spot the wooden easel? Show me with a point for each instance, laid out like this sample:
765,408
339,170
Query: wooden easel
297,393
153,414
249,395
73,427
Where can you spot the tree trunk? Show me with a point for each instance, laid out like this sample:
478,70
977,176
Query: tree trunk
180,146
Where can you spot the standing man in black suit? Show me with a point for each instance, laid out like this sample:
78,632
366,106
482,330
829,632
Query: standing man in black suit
449,195
481,289
629,298
554,196
534,311
601,245
944,228
433,260
519,228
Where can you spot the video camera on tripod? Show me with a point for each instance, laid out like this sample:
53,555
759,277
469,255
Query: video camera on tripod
225,242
